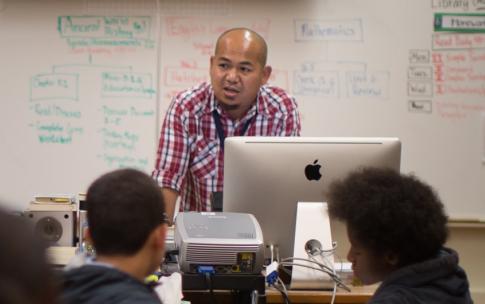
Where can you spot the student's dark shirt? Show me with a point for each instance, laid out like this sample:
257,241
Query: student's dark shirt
438,280
101,284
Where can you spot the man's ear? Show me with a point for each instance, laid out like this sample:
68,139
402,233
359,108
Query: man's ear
267,73
211,61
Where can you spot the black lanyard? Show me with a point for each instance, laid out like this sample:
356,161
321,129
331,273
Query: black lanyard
220,130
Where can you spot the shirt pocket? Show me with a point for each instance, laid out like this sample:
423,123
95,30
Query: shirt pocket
204,157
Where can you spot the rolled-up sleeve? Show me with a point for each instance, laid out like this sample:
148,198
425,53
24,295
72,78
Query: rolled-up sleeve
173,150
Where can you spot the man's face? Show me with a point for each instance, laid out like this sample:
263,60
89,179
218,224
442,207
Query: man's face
369,267
237,74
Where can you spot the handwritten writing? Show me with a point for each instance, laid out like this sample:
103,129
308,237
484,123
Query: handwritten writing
189,28
459,72
54,86
56,132
420,73
370,84
115,84
106,42
451,4
328,30
55,111
458,41
174,76
122,161
420,106
104,26
458,109
419,56
420,88
316,83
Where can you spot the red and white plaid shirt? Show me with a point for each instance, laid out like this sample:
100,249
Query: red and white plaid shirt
189,157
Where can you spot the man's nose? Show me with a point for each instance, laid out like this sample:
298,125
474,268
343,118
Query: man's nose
232,75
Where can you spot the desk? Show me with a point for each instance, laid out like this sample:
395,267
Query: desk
195,288
358,295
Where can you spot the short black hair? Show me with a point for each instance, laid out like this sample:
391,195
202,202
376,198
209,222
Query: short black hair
390,212
25,274
123,208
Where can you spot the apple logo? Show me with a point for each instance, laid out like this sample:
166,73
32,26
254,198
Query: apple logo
312,171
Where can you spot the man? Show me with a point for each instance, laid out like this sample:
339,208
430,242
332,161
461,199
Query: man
396,226
127,228
25,275
236,103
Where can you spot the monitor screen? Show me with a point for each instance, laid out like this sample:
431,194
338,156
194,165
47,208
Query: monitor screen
267,176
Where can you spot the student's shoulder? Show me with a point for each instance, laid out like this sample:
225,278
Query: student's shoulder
98,284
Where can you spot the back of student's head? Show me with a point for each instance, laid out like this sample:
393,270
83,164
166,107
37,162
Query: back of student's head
390,212
123,208
25,275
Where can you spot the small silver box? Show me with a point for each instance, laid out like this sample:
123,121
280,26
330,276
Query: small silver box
54,223
230,243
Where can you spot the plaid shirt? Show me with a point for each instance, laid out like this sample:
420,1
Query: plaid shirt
189,157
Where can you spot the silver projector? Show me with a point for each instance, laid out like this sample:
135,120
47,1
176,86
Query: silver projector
223,242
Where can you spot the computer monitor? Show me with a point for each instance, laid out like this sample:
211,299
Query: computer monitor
267,176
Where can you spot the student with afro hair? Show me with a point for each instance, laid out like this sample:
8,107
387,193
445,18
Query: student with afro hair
396,226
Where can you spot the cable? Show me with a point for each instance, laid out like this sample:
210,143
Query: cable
283,291
329,273
283,287
334,291
208,280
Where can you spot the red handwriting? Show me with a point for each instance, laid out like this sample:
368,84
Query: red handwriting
459,72
119,50
175,76
457,110
191,27
458,41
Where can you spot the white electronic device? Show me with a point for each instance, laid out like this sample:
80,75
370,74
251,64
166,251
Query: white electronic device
223,242
312,230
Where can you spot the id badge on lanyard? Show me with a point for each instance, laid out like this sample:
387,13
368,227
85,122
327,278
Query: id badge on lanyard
216,197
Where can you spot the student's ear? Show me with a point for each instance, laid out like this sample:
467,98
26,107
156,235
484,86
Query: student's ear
87,235
159,235
391,259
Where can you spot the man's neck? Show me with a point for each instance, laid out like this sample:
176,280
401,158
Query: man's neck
134,265
235,113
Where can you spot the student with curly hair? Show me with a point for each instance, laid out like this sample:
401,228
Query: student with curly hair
396,226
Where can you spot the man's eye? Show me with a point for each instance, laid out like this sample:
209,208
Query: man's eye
223,65
245,69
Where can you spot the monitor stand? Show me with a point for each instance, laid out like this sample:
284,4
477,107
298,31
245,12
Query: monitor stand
312,224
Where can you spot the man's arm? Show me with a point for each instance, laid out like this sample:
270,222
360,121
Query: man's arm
292,125
170,198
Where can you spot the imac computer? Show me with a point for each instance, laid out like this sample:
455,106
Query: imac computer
268,176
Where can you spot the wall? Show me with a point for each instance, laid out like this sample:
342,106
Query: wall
85,84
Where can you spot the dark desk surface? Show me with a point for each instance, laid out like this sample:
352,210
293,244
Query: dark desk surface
358,295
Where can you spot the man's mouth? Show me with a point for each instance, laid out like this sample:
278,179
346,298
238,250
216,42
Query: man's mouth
230,91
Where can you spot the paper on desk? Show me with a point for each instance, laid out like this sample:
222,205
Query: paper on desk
170,289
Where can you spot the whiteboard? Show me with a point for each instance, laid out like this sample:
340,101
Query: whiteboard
85,84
